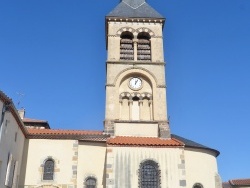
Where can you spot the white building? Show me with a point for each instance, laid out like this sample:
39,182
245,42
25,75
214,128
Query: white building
12,138
136,148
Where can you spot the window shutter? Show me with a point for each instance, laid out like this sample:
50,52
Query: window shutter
12,169
8,171
15,172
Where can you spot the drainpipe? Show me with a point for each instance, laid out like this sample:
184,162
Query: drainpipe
4,110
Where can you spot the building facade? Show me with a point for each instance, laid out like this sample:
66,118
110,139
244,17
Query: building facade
12,139
136,147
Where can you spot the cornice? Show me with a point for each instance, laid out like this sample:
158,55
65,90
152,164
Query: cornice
136,62
136,20
93,138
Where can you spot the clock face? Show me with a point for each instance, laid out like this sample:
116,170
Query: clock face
135,83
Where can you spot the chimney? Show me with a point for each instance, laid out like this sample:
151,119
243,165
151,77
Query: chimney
21,113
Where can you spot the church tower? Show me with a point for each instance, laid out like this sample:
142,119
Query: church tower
135,86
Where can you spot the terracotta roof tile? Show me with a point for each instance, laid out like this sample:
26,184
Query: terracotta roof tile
241,182
102,138
143,141
62,132
95,136
29,120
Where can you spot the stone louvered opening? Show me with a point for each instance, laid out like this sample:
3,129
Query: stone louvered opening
144,47
126,46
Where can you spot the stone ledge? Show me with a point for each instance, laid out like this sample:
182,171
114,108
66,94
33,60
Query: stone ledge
136,62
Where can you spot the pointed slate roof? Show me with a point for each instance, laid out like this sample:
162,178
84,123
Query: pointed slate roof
134,9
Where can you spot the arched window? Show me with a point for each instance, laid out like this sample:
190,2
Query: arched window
197,185
146,107
144,47
126,46
48,169
90,182
135,109
149,175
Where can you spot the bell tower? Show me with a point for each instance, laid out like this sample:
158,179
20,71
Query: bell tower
135,85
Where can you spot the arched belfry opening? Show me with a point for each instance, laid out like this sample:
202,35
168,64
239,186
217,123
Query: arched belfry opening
144,47
126,46
124,106
135,110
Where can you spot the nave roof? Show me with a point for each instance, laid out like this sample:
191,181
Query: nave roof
100,136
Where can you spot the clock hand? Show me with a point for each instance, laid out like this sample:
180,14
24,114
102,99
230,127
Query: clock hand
136,81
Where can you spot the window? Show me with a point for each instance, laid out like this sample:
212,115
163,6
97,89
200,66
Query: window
126,46
197,185
10,171
15,136
6,124
135,109
0,168
90,182
124,106
149,175
48,170
144,47
146,107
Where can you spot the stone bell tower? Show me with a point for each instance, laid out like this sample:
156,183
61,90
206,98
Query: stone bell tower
135,86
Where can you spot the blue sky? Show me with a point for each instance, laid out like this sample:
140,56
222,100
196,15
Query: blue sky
54,53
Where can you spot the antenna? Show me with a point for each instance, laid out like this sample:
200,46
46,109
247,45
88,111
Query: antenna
20,97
